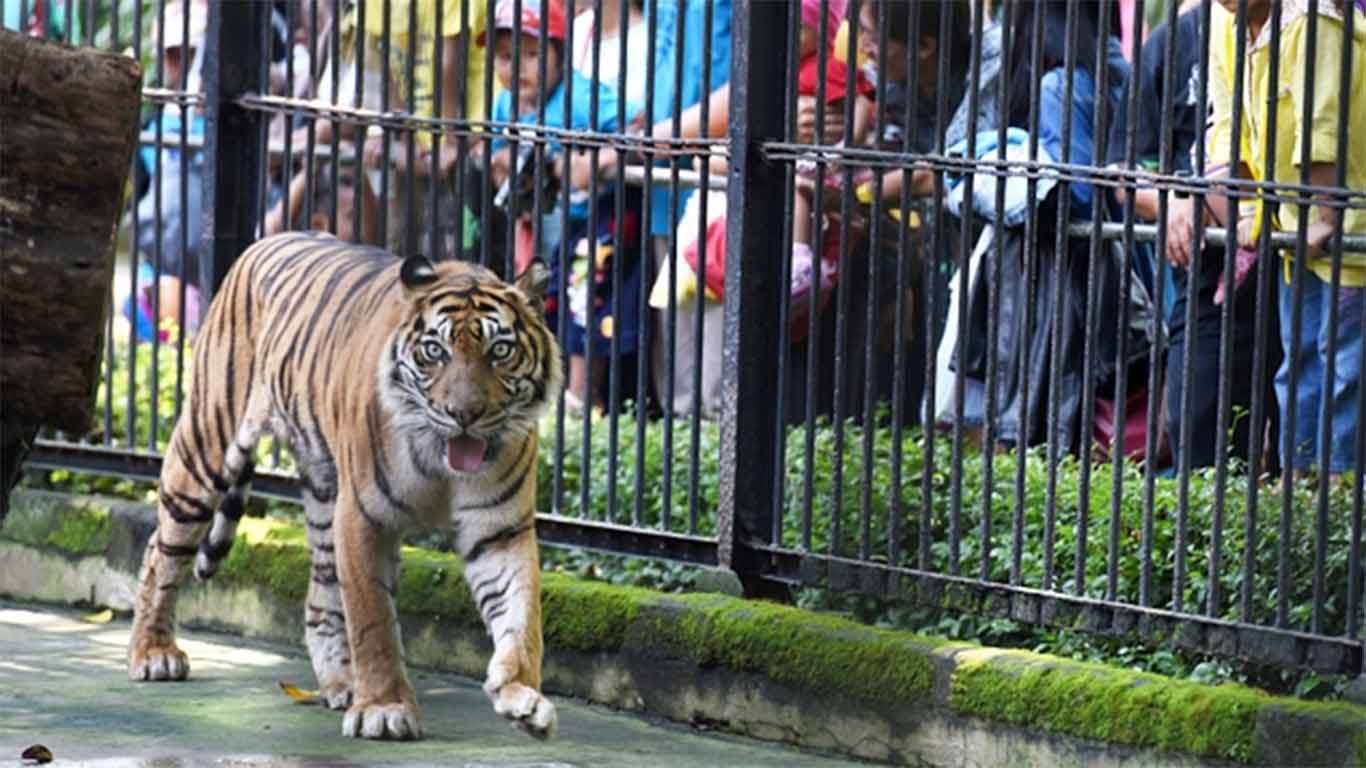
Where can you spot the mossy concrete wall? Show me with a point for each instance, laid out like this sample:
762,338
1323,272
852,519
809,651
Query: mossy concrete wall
755,669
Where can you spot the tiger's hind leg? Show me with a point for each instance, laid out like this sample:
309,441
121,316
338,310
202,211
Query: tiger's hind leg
200,472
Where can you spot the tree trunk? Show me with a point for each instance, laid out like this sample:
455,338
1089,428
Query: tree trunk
70,120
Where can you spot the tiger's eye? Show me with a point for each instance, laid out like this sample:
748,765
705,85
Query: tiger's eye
500,351
434,352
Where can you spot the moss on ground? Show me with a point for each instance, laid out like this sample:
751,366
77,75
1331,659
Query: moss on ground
1097,702
74,525
807,650
83,531
267,554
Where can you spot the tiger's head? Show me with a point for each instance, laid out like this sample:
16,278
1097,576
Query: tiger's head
472,366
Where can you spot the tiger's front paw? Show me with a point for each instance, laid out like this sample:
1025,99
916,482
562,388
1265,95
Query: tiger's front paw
382,720
526,707
157,662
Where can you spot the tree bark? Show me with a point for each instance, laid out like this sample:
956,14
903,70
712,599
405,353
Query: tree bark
69,120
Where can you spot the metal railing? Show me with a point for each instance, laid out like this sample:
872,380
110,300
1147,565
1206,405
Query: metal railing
937,404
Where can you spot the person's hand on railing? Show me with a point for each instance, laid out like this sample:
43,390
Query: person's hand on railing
583,169
809,113
1181,230
500,165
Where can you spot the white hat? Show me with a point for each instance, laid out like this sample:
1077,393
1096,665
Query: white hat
175,23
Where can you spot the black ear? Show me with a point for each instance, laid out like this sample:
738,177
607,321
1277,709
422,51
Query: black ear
417,271
534,280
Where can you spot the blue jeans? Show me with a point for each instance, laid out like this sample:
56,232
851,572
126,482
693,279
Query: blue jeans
1311,365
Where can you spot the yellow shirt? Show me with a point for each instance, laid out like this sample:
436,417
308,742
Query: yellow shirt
1324,106
424,73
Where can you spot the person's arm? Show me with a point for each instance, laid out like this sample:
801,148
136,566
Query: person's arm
690,123
1218,136
863,121
277,220
1324,106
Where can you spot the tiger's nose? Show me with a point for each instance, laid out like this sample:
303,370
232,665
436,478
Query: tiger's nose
466,416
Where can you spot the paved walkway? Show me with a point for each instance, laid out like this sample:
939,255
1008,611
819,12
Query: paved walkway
63,685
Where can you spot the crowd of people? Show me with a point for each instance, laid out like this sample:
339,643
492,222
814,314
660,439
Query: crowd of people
634,266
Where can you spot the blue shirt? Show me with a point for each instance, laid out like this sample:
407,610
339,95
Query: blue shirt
580,117
691,88
1082,143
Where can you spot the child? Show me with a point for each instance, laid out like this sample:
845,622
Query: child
1324,105
808,239
611,315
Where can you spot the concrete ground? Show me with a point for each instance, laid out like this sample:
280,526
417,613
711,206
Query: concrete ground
63,685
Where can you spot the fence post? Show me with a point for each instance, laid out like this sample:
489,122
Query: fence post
752,295
232,146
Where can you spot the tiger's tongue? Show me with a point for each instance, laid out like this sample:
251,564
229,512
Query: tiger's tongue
465,453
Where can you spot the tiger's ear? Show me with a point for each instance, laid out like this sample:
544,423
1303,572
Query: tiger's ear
417,271
533,281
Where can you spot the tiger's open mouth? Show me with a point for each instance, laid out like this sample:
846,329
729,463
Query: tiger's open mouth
467,454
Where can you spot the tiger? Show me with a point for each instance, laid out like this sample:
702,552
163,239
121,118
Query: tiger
409,392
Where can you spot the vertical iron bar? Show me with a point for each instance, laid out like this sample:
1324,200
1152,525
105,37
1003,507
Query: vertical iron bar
1061,244
1026,289
780,430
362,176
647,257
1215,588
813,316
872,305
895,507
1335,283
695,426
754,192
1267,302
183,277
965,249
671,311
1100,145
386,153
486,212
154,375
841,314
1158,353
1289,449
357,177
993,277
931,266
1118,458
231,139
590,313
1353,604
620,253
1192,343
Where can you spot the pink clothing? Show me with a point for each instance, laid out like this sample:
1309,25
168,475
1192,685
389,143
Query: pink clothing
835,11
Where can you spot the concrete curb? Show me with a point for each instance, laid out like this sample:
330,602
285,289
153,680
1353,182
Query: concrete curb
756,669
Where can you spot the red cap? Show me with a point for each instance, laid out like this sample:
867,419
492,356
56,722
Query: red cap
530,23
836,78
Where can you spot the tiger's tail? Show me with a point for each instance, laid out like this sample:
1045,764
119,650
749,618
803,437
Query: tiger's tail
214,547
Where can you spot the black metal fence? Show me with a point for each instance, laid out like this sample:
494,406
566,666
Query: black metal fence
999,354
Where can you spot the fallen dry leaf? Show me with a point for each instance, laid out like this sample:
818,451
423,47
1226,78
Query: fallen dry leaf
99,617
37,753
298,694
